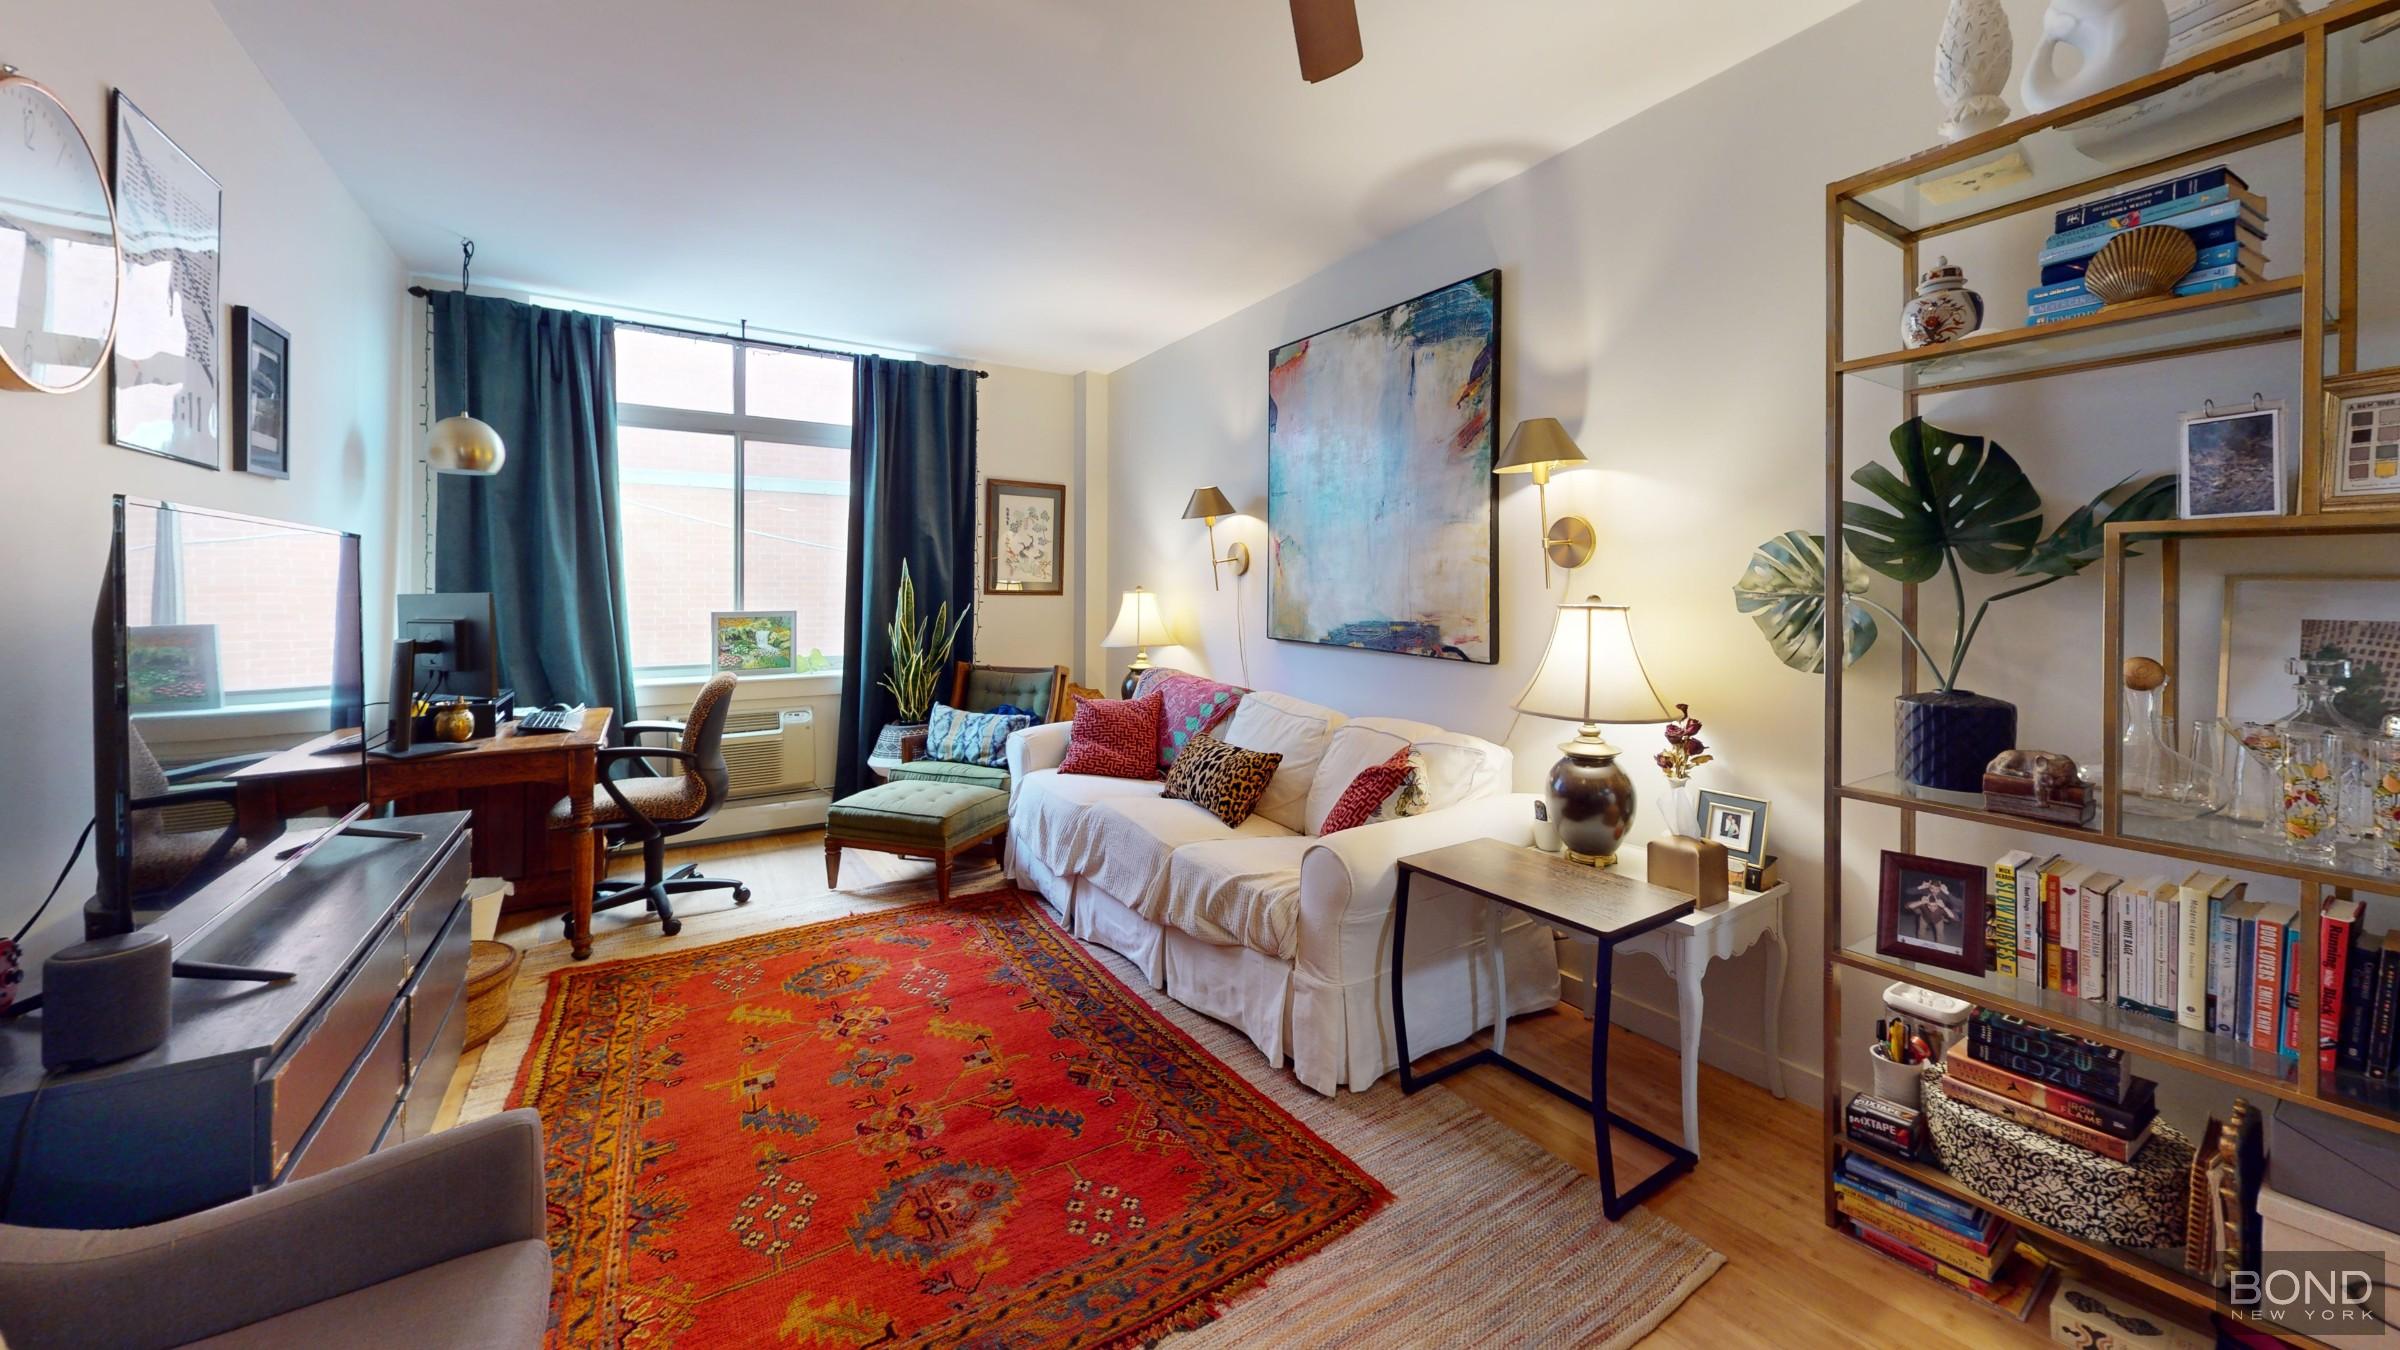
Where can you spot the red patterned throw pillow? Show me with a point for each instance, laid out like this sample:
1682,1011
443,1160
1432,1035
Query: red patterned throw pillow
1114,738
1193,706
1384,792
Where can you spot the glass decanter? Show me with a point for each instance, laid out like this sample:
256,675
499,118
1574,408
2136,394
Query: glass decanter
2319,682
2161,781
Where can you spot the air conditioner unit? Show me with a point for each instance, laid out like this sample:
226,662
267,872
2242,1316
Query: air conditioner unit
770,751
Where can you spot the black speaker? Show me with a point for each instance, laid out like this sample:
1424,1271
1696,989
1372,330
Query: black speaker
106,999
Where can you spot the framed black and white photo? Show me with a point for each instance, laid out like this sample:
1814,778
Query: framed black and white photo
2233,463
165,389
262,395
1931,910
2362,441
1739,823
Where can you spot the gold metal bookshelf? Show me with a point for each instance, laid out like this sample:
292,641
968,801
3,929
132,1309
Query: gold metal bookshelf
2310,80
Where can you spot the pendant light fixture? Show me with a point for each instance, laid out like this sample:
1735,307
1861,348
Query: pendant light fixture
463,444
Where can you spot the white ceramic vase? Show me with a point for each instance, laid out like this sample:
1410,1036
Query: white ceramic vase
1970,67
2118,40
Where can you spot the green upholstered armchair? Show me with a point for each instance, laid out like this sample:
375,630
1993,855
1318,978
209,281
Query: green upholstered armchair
1040,690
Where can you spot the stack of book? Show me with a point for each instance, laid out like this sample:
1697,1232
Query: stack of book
2194,26
2063,1086
1939,1235
2227,223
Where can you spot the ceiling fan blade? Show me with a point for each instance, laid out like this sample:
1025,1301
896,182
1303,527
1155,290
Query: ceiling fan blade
1327,31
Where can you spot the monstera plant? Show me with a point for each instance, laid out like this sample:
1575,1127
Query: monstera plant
1958,504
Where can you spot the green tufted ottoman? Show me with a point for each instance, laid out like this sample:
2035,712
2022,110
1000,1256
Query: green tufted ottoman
915,819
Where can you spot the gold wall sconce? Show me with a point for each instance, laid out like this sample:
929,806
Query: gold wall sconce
1206,505
1541,447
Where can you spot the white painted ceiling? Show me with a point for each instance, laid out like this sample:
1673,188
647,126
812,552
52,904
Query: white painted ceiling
1061,184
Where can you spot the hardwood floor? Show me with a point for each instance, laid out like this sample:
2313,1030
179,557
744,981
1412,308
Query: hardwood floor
1788,1281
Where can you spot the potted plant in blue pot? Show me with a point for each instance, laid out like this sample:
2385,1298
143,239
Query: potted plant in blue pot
1958,504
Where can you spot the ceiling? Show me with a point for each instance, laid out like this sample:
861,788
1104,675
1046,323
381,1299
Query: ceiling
1061,184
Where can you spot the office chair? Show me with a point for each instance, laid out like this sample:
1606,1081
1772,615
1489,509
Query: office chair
654,809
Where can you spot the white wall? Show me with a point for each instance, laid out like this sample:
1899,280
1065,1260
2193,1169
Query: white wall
1026,429
1664,296
299,250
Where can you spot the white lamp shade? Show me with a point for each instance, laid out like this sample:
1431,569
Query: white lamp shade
465,445
1138,622
1591,672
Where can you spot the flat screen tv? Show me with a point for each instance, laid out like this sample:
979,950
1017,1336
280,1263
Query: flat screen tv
227,694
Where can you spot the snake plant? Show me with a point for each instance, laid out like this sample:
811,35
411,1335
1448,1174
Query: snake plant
917,660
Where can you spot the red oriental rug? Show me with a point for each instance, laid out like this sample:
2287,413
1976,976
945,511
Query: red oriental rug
940,1125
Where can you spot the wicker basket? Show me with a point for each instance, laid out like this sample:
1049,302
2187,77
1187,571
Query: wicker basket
491,969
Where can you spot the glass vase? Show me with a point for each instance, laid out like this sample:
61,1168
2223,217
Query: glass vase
2383,785
2161,781
2312,797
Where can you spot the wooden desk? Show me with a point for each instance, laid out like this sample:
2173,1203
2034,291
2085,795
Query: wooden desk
509,781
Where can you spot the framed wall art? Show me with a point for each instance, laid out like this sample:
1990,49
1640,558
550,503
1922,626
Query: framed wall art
262,395
1024,531
753,642
2268,618
1382,511
2233,463
165,391
2362,442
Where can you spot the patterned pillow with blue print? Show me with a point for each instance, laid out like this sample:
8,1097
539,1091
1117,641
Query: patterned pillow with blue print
957,737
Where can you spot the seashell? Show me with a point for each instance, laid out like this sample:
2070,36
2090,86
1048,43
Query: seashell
2140,264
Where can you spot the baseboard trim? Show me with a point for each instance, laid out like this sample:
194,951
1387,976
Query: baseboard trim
751,820
1743,1059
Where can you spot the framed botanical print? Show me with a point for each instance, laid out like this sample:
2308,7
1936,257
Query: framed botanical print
2362,441
262,391
1024,550
165,386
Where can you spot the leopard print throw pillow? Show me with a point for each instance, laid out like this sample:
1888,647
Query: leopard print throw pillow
1221,779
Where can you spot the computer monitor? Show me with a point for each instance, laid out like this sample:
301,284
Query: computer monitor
458,641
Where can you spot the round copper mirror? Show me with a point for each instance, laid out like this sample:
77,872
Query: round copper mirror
59,260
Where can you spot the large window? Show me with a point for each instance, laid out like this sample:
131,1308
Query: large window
734,475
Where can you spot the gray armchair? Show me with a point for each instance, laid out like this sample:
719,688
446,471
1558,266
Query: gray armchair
436,1242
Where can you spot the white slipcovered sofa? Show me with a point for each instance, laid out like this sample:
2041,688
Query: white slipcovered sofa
1281,933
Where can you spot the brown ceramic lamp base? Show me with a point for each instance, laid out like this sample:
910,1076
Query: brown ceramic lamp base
1591,799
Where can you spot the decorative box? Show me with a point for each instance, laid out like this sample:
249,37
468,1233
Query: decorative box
1688,866
2336,1164
2039,785
2289,1225
2128,1204
2091,1318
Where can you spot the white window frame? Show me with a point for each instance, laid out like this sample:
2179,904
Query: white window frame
743,426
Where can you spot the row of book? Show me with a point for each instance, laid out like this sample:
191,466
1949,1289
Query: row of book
2200,953
1939,1235
2063,1086
2194,26
2226,221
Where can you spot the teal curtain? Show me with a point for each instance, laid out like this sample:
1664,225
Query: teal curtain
912,496
542,535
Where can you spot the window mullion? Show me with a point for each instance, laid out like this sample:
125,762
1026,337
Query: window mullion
741,538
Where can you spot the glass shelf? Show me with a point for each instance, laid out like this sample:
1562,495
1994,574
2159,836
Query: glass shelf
2152,330
2214,844
2363,61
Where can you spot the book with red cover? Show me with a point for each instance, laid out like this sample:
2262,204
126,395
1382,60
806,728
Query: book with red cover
2034,1118
2123,1120
2336,932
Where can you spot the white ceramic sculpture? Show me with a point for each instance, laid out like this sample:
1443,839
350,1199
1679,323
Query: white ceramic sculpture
2118,40
1970,67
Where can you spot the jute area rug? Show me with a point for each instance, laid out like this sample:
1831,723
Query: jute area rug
1487,1240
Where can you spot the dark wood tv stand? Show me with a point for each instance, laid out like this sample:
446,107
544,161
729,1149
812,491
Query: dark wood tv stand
260,1083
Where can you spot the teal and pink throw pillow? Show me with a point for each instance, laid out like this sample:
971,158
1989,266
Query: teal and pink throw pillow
959,737
1114,738
1192,706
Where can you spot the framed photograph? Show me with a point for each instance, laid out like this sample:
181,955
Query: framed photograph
2233,463
1024,550
2270,617
1933,911
2362,441
1739,823
172,667
262,391
754,641
165,390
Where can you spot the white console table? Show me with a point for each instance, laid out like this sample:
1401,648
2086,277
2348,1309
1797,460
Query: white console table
1686,946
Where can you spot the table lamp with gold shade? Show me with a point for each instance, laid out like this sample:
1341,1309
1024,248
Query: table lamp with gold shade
1138,624
1542,447
1591,675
